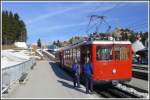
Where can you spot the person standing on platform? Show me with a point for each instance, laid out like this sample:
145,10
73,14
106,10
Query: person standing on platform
76,73
88,73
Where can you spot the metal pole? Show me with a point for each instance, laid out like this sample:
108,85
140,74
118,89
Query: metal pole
6,42
21,37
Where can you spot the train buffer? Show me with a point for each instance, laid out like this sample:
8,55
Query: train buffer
47,80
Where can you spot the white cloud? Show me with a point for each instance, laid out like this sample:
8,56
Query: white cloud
48,15
58,27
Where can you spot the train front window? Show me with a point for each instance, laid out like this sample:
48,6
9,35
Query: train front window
121,53
104,52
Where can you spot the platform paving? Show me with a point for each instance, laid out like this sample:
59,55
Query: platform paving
47,80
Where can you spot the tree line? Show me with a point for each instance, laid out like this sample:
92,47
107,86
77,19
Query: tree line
13,28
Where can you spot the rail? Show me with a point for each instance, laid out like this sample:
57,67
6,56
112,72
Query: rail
13,73
140,65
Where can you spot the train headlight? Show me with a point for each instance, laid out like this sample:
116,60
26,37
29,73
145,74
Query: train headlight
114,71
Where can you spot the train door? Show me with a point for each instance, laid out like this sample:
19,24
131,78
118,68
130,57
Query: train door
85,53
62,58
123,61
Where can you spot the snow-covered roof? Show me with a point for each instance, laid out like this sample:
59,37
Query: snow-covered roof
108,42
21,45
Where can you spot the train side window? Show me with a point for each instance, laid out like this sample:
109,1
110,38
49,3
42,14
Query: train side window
67,54
64,55
121,53
104,52
74,53
78,55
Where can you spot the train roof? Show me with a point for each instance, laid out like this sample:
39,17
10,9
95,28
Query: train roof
108,42
95,42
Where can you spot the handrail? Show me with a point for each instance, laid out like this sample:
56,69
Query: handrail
15,65
13,73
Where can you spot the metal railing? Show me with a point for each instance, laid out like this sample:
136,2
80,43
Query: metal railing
13,73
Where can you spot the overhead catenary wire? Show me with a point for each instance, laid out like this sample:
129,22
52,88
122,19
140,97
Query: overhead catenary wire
138,24
141,27
138,27
135,21
101,20
91,18
109,10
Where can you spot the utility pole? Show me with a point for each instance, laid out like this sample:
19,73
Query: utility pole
21,37
6,42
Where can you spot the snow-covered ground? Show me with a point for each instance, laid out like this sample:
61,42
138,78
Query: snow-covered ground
11,57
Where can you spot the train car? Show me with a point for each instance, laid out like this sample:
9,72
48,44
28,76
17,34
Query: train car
111,60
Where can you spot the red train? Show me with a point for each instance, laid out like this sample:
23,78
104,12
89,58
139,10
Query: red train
112,60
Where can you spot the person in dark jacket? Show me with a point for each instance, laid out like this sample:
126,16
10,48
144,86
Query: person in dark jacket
88,73
76,74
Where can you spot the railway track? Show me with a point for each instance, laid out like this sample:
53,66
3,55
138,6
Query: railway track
141,74
140,71
141,67
119,92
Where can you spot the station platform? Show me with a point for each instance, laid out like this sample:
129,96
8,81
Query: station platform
47,80
142,84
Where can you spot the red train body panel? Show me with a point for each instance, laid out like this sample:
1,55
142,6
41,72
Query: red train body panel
112,60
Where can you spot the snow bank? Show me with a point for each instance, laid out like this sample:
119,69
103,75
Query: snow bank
6,62
11,57
17,56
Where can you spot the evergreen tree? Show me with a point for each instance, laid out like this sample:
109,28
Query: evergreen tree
23,35
58,43
54,43
39,43
144,36
13,29
124,36
132,38
5,26
17,27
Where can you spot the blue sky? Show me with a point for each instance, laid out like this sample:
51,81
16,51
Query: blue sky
61,20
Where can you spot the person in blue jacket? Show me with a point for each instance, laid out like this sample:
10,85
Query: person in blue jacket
88,73
76,74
